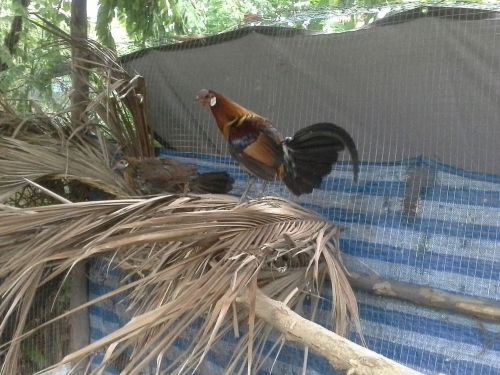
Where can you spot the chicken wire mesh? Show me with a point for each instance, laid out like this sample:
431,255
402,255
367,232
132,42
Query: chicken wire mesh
49,344
419,93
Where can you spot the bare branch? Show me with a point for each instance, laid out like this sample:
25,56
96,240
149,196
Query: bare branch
425,296
342,354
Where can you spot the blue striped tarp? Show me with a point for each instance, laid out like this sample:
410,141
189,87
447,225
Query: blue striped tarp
451,243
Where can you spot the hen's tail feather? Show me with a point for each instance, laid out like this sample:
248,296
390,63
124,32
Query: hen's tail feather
212,182
311,153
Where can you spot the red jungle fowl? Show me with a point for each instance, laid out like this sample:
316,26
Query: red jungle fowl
300,161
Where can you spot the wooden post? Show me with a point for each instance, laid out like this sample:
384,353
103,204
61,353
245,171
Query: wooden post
79,322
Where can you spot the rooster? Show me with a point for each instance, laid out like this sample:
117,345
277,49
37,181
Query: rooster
157,176
300,161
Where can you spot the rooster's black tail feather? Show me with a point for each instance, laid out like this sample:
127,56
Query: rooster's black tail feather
311,153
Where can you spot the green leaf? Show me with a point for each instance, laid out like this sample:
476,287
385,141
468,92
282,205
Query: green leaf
105,15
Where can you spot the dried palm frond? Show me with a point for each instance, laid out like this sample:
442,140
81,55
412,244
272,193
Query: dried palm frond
44,146
12,123
185,259
42,157
117,98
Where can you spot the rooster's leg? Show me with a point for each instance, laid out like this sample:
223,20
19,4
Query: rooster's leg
251,181
185,190
265,185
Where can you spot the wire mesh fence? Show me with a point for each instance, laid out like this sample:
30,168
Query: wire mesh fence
418,93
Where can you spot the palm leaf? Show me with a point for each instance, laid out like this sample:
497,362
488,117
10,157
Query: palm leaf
117,98
38,157
190,256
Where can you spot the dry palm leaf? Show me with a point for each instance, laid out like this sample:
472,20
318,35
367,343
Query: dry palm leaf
13,124
186,258
118,99
53,147
44,146
37,157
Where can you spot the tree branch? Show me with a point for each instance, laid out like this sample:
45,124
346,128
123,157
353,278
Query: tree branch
342,354
425,296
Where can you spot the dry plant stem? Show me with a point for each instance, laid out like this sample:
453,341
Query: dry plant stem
476,307
342,354
47,191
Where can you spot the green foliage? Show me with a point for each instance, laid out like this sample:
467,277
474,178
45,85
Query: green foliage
30,69
156,22
105,15
143,20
